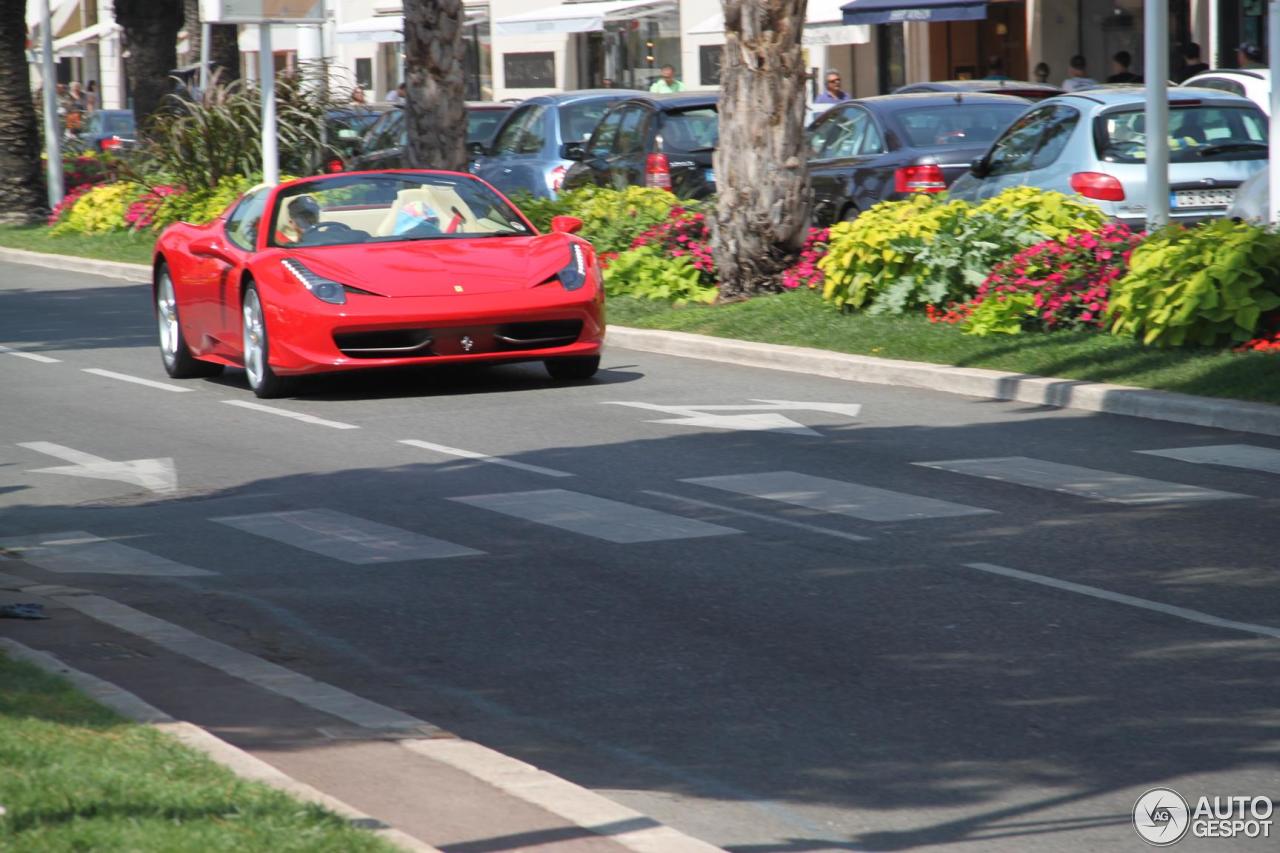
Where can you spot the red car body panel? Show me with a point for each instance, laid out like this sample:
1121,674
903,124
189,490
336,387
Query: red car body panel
455,288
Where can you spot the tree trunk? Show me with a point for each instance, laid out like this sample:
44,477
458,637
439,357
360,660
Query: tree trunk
762,214
224,52
191,23
436,116
22,185
151,35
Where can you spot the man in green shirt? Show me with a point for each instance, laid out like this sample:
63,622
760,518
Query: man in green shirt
667,82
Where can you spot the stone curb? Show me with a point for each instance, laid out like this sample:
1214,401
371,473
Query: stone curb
1237,415
232,757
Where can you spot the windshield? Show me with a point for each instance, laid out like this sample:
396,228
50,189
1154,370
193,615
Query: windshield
691,130
1196,133
957,124
386,208
578,120
119,124
482,123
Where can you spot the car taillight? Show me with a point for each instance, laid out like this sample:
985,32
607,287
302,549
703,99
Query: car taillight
657,171
1097,185
919,179
334,165
111,143
555,180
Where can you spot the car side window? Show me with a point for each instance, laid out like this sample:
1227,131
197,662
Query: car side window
532,133
1015,150
1055,134
631,132
385,132
508,141
602,140
832,126
1221,84
242,224
872,142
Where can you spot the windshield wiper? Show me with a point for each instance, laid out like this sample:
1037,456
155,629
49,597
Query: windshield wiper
1231,146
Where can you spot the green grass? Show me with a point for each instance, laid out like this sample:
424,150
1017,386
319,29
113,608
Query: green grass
78,777
802,319
133,248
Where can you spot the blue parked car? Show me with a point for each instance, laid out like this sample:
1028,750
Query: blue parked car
532,149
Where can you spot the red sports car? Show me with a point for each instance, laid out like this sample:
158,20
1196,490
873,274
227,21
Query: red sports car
370,269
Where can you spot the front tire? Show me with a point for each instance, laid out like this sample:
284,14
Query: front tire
574,368
263,381
176,356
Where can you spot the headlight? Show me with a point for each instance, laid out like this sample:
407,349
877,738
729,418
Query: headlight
574,275
321,288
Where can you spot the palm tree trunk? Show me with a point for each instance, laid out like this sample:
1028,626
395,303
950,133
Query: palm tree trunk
433,59
762,214
22,185
224,52
151,34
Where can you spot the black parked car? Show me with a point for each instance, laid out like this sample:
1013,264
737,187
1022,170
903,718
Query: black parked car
383,146
653,141
346,127
109,130
879,149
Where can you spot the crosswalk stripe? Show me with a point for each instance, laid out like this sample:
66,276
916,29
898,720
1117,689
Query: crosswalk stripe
80,552
29,356
600,518
1248,456
345,537
1082,482
837,496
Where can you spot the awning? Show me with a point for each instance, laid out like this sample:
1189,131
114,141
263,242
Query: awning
390,28
824,24
97,31
578,17
905,11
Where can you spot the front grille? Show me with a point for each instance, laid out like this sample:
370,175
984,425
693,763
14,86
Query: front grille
392,343
458,340
540,335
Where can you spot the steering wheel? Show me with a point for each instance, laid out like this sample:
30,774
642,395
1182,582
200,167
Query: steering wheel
322,228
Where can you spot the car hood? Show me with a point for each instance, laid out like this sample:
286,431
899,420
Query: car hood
444,267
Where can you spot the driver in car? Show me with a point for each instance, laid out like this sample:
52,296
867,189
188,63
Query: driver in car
304,214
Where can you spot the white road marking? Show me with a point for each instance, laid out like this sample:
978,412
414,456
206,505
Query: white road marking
767,418
812,528
1131,601
79,552
481,457
345,537
854,499
285,413
136,380
600,518
158,475
1074,480
1248,456
31,356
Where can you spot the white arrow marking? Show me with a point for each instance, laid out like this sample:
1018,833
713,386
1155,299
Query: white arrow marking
158,475
700,416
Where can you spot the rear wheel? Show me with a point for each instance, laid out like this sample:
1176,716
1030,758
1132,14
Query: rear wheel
570,368
263,381
174,352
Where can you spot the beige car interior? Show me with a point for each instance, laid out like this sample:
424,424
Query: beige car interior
381,221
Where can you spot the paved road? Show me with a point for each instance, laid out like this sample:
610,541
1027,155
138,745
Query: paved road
939,623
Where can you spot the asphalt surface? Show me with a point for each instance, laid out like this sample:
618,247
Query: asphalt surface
841,669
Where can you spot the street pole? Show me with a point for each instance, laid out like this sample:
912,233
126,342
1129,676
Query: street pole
267,82
1273,140
206,33
1156,73
52,140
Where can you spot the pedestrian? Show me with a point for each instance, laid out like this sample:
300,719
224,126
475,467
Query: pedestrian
1120,64
74,117
1042,72
832,94
1249,55
1077,78
396,96
1192,63
91,96
667,82
995,68
357,96
607,83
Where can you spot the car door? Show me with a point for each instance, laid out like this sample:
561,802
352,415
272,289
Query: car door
631,147
499,165
241,231
593,170
846,143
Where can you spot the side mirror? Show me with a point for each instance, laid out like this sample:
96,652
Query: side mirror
565,224
208,247
574,151
476,149
978,168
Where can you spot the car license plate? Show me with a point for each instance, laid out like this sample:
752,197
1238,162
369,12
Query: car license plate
1183,199
710,176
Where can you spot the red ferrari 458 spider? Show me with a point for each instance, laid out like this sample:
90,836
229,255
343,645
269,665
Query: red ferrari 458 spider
370,269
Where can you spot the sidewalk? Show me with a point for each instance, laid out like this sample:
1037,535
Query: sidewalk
419,786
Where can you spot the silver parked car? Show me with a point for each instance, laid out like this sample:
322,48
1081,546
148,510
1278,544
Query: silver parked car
1093,143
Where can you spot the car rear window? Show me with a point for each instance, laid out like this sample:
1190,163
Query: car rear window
120,125
482,123
578,120
692,129
1196,133
952,124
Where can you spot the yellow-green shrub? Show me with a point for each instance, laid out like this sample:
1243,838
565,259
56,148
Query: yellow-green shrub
99,210
611,219
202,205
